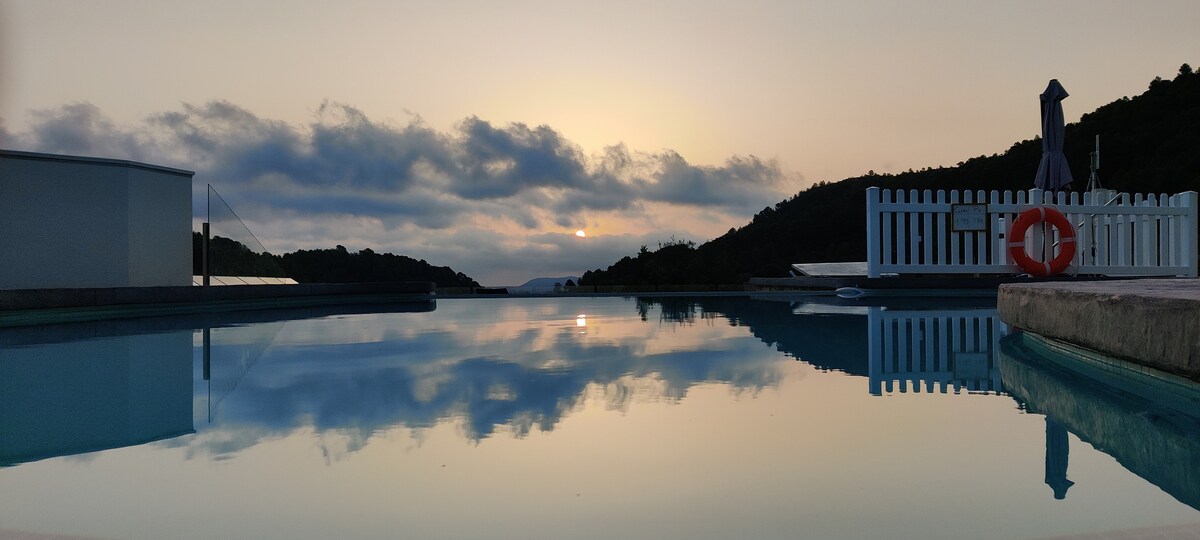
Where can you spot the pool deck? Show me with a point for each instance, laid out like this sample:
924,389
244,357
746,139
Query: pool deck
837,275
896,282
1149,322
23,307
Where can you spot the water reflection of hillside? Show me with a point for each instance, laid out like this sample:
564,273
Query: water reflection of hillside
830,340
903,345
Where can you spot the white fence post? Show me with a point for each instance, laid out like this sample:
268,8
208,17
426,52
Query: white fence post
1189,232
873,234
927,238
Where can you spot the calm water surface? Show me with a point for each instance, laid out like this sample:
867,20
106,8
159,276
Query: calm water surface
580,418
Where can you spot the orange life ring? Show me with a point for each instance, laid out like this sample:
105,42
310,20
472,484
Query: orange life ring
1066,241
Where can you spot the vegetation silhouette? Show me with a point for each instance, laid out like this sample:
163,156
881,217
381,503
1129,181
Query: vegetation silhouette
1151,145
232,258
228,257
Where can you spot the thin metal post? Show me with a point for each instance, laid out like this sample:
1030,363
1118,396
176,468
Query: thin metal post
207,353
204,255
1094,178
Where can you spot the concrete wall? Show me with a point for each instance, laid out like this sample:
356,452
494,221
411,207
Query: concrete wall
71,222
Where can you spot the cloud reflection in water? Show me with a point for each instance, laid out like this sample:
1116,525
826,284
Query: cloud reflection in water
524,365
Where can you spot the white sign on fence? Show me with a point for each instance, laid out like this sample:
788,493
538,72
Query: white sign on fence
968,217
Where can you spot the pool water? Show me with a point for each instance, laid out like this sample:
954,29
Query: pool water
710,417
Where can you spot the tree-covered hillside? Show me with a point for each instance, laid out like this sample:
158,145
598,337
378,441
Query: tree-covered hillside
338,265
1150,144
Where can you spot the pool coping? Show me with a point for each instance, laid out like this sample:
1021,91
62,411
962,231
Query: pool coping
26,307
1150,322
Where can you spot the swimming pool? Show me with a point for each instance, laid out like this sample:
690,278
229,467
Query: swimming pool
713,417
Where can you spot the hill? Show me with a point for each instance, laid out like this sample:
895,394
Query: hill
545,284
337,265
1151,144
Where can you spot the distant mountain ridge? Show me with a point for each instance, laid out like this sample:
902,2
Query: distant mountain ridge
545,284
1150,144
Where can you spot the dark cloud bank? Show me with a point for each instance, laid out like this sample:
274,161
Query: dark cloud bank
346,163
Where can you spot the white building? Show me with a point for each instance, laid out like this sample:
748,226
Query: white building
80,222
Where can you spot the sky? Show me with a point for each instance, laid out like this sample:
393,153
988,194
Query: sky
483,135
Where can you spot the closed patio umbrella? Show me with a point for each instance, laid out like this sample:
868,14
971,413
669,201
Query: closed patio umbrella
1053,173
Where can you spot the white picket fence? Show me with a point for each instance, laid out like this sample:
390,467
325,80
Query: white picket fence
934,350
1117,234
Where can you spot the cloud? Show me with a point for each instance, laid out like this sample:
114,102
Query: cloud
502,162
740,184
81,128
407,175
344,150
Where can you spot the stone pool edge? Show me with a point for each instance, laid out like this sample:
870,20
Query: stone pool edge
1149,322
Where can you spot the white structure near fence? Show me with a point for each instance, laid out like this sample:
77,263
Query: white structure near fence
80,222
934,350
1117,234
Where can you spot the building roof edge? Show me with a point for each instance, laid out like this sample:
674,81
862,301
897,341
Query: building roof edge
38,156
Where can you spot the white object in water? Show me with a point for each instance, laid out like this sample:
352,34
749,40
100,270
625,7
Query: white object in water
850,292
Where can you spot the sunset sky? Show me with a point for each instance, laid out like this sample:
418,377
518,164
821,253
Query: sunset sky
483,135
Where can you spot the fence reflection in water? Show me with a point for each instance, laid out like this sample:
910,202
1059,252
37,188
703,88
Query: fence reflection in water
935,349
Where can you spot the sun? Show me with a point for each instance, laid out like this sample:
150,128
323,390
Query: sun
580,233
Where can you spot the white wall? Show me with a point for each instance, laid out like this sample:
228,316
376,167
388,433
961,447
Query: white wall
70,222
